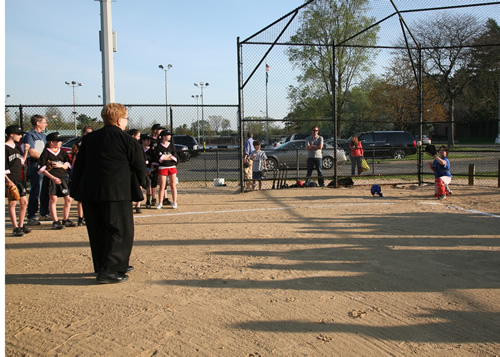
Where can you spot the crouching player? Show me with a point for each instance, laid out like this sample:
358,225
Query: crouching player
442,175
53,164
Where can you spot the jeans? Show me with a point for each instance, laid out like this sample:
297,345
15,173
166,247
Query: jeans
318,163
35,194
356,162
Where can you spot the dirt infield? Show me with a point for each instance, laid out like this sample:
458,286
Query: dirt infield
296,272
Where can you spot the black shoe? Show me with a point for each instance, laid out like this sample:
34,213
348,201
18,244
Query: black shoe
68,223
138,210
26,229
18,232
57,225
112,278
130,268
153,202
166,202
80,222
148,205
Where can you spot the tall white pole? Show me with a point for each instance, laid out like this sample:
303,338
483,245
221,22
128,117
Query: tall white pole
108,72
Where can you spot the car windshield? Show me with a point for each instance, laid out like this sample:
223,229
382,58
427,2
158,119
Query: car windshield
292,145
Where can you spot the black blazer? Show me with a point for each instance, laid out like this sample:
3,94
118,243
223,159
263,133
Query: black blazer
109,167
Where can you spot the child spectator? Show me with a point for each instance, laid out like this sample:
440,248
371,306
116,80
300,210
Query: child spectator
136,134
166,157
53,164
259,164
145,142
156,129
76,147
14,161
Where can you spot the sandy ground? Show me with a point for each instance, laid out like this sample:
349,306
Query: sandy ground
296,272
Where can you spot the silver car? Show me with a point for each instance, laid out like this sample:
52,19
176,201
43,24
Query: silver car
294,153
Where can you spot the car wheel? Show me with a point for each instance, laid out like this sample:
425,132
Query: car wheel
327,162
272,164
399,154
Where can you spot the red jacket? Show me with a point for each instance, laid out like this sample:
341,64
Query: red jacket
356,150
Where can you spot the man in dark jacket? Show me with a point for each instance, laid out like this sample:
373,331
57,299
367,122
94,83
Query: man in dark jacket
107,177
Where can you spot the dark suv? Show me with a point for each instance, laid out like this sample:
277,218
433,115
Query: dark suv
395,144
189,141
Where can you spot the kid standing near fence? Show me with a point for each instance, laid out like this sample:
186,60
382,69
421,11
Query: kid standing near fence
166,157
259,164
14,161
53,164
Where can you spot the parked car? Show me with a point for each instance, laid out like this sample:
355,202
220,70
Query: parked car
68,145
188,141
383,144
183,152
425,139
343,144
290,152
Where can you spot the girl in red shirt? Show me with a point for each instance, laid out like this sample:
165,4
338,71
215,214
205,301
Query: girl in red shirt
356,155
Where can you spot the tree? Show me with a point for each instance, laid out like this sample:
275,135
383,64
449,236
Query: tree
215,122
225,127
481,93
447,56
84,120
326,23
394,98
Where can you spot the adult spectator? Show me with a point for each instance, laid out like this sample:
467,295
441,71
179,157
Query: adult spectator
249,144
314,147
107,177
36,140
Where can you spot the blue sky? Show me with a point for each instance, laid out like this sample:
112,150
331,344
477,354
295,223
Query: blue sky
52,41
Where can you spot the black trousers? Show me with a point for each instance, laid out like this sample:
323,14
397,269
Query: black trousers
110,226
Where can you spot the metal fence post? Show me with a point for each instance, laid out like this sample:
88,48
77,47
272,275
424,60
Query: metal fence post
472,174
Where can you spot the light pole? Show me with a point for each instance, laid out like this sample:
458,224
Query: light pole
202,85
166,94
197,115
74,84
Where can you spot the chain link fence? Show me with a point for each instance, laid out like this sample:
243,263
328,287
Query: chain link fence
375,66
353,67
214,127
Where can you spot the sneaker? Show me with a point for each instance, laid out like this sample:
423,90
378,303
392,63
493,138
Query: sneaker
26,229
166,202
46,218
153,202
148,205
33,222
174,205
68,223
442,197
138,210
57,225
159,206
18,232
80,222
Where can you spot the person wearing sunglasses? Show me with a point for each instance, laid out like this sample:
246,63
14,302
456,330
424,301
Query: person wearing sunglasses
314,147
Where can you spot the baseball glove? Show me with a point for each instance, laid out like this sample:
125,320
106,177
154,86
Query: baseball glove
430,149
12,192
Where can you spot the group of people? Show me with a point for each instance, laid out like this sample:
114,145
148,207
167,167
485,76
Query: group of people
161,161
110,169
